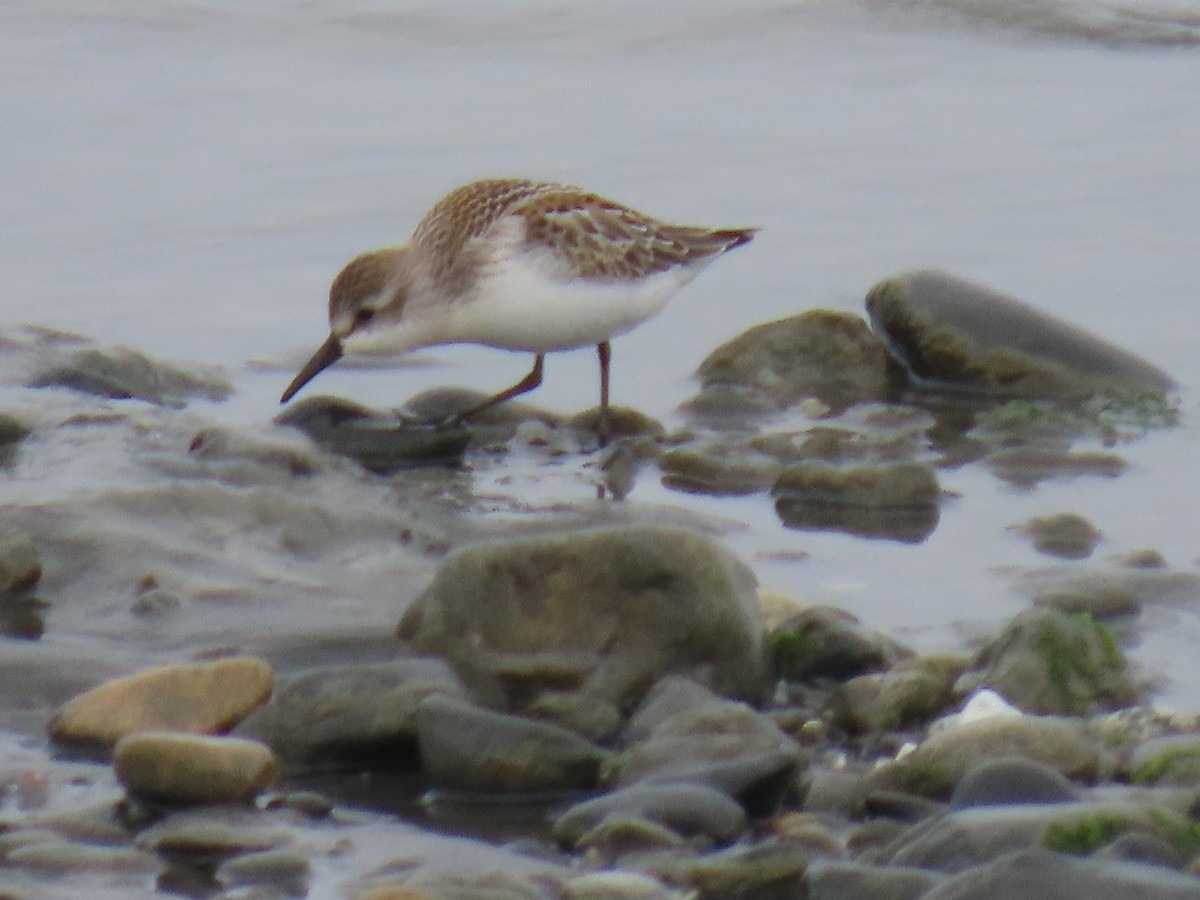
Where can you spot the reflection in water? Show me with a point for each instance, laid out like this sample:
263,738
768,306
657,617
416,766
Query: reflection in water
907,524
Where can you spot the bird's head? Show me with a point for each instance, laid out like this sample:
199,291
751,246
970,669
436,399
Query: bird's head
366,294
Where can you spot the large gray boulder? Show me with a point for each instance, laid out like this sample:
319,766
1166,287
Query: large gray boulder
576,627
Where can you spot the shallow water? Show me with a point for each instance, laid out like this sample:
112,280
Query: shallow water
186,178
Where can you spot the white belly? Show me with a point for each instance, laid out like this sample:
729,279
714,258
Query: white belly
517,306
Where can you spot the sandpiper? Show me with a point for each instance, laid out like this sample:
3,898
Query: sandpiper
519,265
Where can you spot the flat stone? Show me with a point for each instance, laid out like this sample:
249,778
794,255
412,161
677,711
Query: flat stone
1065,535
469,748
364,712
829,880
188,768
684,809
190,697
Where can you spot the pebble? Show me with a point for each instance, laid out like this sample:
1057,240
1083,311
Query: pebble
20,567
192,697
187,768
684,809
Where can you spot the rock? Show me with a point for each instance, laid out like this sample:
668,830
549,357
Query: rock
896,500
283,871
125,374
189,768
574,627
718,471
353,713
908,695
829,880
20,567
62,858
1011,780
947,330
1024,467
617,886
826,642
1100,601
669,697
623,422
1065,535
938,763
468,748
190,697
235,457
380,443
1170,760
207,833
824,354
23,617
1048,661
687,810
721,744
972,837
770,870
1055,876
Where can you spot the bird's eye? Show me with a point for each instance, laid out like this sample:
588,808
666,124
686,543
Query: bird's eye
363,318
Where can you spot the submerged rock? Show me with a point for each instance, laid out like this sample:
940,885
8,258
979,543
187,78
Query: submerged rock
953,332
896,501
189,697
1066,535
380,443
125,374
189,768
575,627
830,356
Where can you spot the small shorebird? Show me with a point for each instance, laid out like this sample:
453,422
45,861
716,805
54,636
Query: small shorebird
520,265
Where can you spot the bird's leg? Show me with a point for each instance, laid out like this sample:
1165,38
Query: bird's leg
524,386
604,351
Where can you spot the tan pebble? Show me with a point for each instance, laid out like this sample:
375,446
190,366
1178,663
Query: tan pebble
395,892
191,697
190,768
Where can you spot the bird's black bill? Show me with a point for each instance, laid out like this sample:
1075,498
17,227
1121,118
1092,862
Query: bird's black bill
329,353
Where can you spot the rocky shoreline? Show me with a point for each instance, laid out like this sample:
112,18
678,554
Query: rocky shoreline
609,706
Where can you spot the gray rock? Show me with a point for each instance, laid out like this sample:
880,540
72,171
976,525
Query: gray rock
1048,661
20,567
721,744
210,832
828,880
575,627
718,470
363,713
688,810
770,870
891,500
190,768
970,837
1009,780
1055,876
283,871
125,374
468,748
379,442
948,330
826,642
829,355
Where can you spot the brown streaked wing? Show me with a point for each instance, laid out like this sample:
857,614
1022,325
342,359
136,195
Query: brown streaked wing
463,214
605,241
